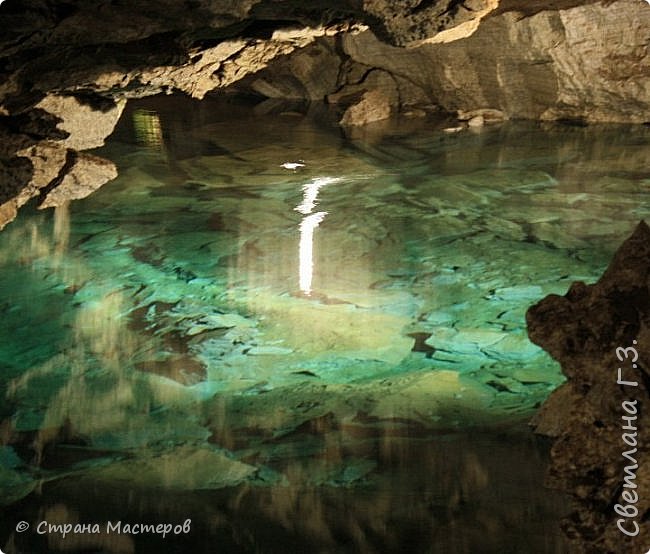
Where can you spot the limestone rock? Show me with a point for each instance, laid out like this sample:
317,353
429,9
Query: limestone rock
405,23
26,172
488,115
43,159
87,126
86,174
15,173
563,71
373,106
311,73
8,212
91,59
373,80
583,330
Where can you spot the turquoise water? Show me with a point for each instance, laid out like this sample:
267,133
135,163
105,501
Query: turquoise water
299,338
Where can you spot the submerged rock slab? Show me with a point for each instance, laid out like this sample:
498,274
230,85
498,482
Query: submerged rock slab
184,468
592,331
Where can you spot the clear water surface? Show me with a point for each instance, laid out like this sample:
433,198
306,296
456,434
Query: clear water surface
301,341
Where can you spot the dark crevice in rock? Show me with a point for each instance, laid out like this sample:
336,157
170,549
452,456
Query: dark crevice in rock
36,124
533,7
21,169
264,28
95,101
423,5
63,10
310,12
420,344
450,11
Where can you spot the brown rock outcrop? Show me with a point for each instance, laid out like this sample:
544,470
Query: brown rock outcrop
373,106
587,62
593,331
83,175
86,125
45,162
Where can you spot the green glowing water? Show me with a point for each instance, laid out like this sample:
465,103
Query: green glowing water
216,318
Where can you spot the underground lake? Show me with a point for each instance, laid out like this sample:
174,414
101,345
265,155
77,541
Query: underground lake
278,337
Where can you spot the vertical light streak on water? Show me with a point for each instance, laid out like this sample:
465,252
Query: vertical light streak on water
307,226
306,252
310,192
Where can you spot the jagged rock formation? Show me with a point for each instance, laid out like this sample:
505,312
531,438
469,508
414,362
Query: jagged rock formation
587,331
42,159
551,65
66,68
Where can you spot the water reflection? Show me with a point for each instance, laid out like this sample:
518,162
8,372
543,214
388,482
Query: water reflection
307,226
471,493
148,131
306,253
153,339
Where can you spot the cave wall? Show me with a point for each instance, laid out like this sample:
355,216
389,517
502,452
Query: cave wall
588,63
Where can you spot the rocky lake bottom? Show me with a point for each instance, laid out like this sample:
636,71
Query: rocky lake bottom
299,340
